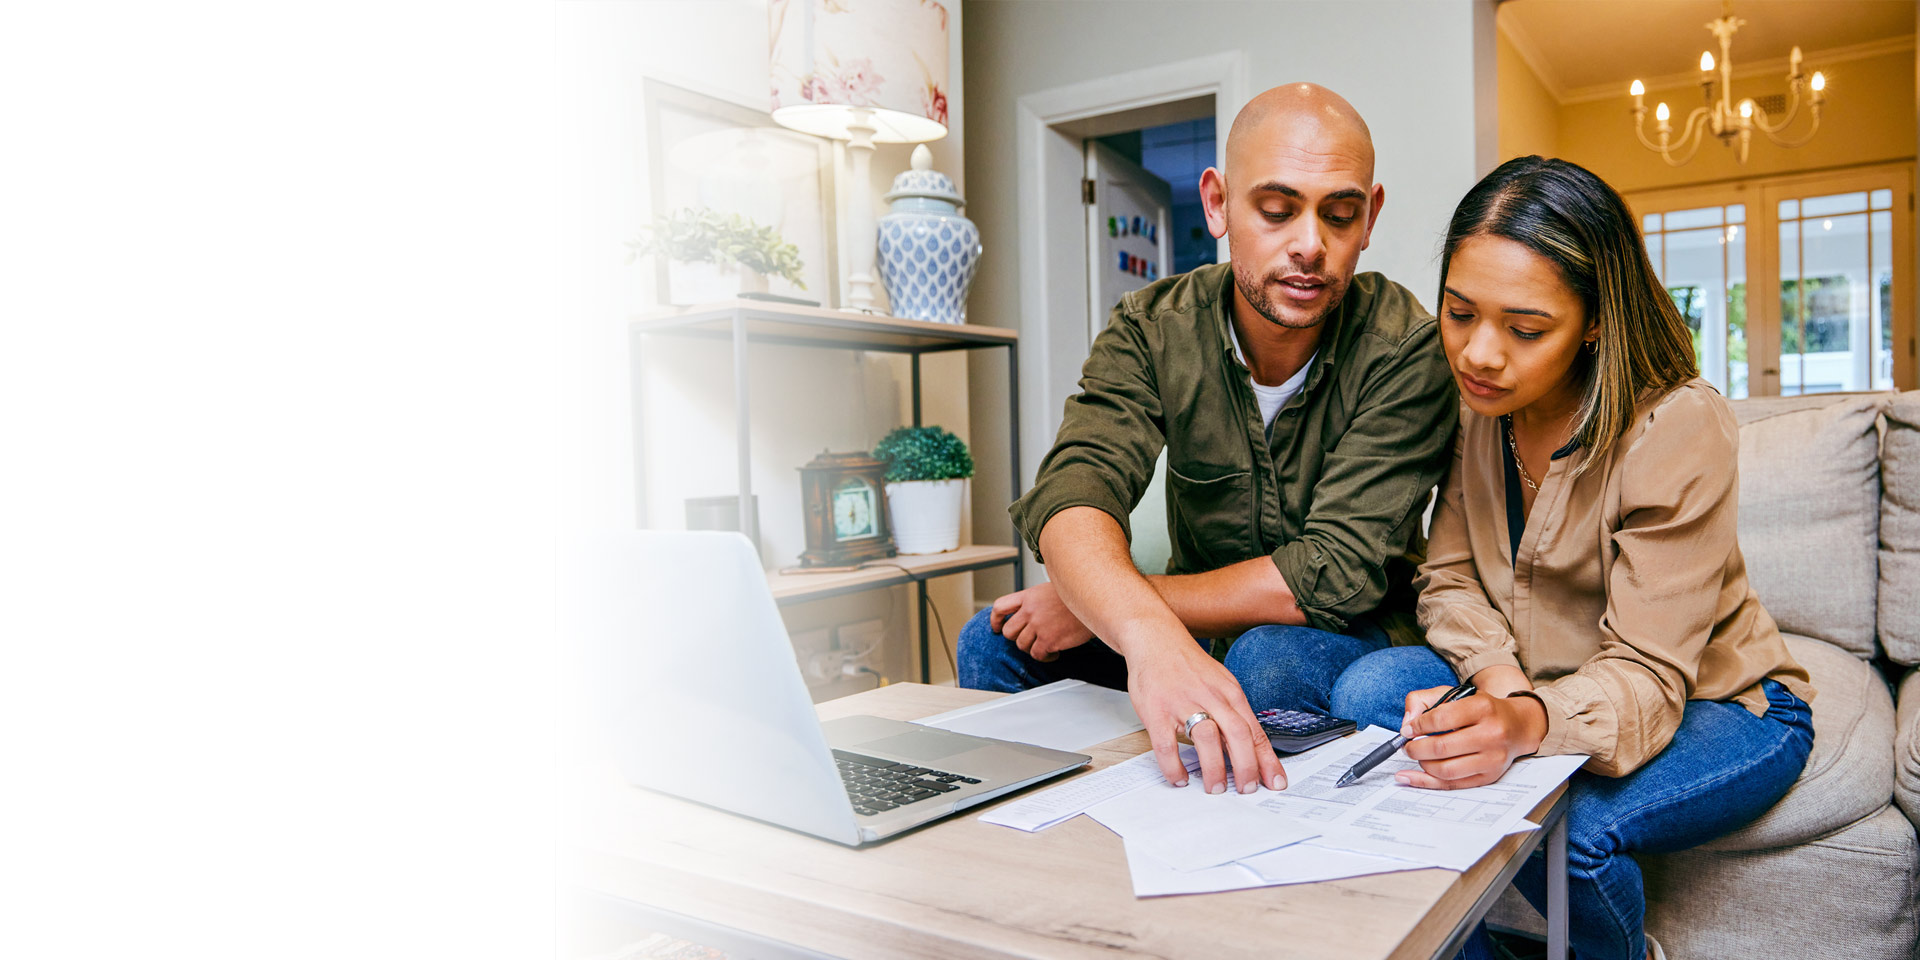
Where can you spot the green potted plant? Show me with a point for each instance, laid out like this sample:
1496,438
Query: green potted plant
927,471
716,256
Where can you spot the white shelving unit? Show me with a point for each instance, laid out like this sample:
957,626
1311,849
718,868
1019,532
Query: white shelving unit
745,323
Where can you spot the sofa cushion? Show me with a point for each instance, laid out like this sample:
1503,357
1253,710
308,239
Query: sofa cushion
1849,774
1906,749
1900,530
1810,513
1853,894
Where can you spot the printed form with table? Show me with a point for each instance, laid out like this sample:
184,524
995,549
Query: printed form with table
1182,840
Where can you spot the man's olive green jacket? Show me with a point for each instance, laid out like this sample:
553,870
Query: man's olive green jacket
1334,496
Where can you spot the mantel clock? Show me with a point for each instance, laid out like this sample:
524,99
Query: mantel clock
846,510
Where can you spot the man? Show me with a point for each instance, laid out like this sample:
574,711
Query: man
1306,413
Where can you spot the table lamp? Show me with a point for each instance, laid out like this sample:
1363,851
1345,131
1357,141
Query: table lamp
863,71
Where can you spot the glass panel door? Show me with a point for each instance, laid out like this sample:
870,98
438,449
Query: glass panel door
1836,289
1838,245
1700,255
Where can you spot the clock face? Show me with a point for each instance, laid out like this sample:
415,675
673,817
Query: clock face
854,511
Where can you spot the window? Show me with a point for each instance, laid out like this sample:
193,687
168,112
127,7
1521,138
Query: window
1837,246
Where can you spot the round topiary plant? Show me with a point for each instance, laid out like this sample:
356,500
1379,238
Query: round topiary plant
924,453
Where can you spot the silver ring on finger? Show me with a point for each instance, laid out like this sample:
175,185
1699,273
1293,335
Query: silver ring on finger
1198,716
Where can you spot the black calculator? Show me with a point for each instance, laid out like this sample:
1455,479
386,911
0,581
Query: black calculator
1291,731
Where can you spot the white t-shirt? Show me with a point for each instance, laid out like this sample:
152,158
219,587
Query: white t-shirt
1271,398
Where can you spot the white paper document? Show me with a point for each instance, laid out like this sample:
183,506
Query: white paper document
1063,715
1310,862
1048,807
1154,878
1188,828
1182,840
1378,816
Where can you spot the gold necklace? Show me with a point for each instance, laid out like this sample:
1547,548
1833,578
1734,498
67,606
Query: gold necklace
1511,445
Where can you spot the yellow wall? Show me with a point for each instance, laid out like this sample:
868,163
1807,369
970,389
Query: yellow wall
1869,118
1529,116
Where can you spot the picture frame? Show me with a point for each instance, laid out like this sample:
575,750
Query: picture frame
706,151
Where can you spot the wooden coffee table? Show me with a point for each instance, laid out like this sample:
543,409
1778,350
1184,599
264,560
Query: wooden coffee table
964,889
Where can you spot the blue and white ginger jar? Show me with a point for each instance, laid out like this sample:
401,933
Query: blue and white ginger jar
928,251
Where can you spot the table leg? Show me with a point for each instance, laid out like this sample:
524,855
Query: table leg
1557,889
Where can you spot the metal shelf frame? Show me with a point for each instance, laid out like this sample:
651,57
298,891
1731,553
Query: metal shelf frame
744,323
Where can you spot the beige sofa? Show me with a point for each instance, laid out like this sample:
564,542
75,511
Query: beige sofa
1830,525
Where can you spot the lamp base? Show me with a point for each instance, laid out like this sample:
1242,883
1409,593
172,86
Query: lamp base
862,235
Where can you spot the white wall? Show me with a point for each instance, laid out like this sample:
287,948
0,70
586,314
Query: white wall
1411,67
803,400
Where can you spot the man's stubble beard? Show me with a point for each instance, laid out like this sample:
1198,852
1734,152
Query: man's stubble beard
1256,294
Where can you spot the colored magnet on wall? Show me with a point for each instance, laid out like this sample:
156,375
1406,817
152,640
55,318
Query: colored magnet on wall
1153,233
1123,260
1113,228
1136,224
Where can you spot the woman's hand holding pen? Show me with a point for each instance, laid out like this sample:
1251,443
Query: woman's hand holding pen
1471,741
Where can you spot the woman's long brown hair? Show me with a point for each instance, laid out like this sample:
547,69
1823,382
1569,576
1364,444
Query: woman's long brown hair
1564,213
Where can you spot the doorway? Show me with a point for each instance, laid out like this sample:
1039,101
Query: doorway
1177,153
1144,216
1052,128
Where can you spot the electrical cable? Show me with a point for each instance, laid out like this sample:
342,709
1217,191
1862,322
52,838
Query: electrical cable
952,660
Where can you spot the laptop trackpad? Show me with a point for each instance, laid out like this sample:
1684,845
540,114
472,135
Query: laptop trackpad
924,745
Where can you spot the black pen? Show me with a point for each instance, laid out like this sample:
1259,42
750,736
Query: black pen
1385,750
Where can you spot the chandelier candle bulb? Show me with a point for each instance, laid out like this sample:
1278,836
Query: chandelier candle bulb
1732,120
1661,114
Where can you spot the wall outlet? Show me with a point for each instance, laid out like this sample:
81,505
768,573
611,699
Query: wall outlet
814,650
862,638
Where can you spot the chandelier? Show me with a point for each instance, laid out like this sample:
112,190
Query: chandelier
1733,123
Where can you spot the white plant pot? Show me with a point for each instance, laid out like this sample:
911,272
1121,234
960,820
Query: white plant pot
700,282
925,515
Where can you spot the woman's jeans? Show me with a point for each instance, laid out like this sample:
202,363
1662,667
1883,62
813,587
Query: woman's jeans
1278,666
1723,768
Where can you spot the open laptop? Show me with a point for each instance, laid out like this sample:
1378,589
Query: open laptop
694,685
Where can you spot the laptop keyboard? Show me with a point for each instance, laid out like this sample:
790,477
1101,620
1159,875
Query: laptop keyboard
876,786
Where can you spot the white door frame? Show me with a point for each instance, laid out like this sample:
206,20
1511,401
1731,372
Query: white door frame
1050,125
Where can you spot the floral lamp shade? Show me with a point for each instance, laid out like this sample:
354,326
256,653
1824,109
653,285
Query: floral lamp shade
887,55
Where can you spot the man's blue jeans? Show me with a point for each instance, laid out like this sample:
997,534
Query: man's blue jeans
1278,666
1723,768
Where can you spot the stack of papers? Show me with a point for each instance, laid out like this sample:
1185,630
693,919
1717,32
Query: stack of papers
1182,840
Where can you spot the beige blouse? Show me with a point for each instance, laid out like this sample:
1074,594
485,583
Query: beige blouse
1628,595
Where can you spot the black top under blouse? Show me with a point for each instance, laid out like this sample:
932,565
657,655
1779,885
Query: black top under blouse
1516,505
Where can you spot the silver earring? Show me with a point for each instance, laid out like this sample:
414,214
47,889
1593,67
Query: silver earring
1593,346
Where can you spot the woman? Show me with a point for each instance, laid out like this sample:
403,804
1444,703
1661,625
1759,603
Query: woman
1583,570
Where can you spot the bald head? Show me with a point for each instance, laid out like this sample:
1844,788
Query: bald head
1304,120
1297,203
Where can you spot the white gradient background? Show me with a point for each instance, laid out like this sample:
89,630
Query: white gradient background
276,413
